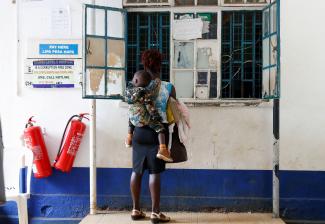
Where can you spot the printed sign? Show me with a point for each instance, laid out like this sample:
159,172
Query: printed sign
187,29
60,49
53,64
205,16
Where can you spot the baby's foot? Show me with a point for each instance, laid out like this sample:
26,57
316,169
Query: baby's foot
128,141
164,154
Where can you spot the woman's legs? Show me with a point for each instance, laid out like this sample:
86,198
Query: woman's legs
154,185
135,186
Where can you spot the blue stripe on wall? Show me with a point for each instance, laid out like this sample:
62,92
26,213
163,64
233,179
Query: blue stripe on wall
48,221
67,195
9,219
15,220
180,182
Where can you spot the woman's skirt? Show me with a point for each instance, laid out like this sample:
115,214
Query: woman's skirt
145,148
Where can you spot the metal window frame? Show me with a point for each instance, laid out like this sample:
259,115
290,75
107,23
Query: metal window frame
195,70
278,48
106,38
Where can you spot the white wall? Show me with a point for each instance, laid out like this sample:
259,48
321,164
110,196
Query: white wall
303,81
51,107
222,137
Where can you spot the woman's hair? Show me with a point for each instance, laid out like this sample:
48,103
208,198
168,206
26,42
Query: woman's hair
151,60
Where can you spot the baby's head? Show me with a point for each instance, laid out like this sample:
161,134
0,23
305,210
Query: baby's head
141,79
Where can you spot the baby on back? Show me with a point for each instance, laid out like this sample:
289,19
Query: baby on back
142,112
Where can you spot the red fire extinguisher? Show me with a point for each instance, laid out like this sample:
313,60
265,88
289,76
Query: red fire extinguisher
34,141
67,152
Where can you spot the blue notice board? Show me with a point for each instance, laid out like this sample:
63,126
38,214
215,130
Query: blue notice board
58,49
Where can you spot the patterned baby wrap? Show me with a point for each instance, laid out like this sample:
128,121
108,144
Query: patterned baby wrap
142,110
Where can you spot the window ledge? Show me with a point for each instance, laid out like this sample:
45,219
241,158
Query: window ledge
218,103
225,103
123,104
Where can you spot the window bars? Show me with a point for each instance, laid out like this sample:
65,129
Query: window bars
145,31
241,57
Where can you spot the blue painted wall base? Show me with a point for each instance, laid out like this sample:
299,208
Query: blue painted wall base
65,197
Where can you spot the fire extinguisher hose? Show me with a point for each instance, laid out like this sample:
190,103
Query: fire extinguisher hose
63,136
30,122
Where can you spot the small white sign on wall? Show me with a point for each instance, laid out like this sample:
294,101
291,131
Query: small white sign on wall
53,64
187,29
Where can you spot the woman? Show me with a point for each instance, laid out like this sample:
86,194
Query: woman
145,145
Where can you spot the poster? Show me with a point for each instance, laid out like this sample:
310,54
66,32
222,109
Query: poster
61,21
210,25
206,19
53,64
187,29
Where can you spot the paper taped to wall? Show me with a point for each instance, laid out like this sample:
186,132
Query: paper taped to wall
183,55
187,29
61,21
207,54
206,27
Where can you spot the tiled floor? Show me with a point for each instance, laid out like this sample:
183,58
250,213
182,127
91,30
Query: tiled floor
182,217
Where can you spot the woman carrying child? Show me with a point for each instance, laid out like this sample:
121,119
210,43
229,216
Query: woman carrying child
147,142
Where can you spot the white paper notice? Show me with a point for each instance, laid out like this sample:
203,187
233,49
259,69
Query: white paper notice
187,29
61,24
206,27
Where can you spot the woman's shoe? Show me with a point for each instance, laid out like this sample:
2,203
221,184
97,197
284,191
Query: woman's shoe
137,215
159,217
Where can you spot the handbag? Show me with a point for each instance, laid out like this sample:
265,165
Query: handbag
178,150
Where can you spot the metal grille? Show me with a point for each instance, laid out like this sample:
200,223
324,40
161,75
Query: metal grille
241,54
145,31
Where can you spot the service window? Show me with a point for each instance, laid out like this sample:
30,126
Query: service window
219,54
